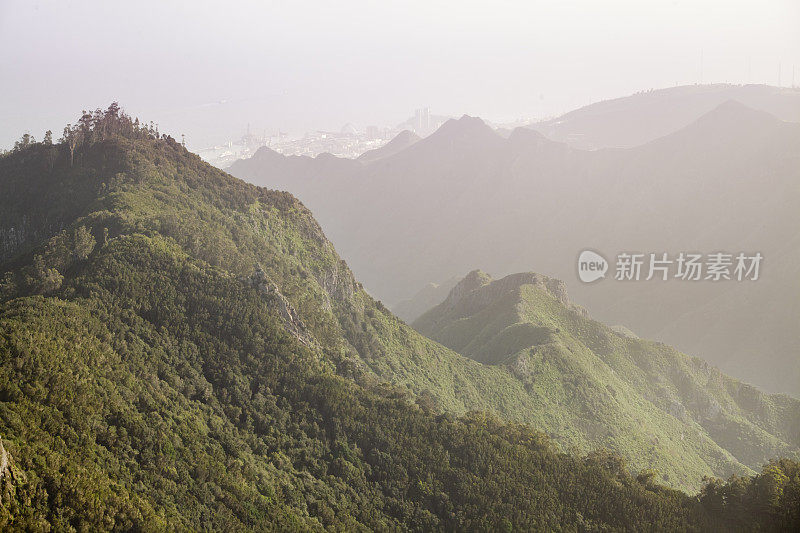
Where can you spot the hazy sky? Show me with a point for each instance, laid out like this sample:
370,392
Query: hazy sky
207,68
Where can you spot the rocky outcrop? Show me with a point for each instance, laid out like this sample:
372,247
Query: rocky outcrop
333,274
4,461
9,475
291,319
338,283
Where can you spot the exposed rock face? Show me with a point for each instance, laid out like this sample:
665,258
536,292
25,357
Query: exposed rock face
9,475
291,319
4,467
338,282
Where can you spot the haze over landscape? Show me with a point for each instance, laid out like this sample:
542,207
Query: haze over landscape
467,197
302,66
298,266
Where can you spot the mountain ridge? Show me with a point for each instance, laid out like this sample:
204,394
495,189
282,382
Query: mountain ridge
399,142
158,375
530,322
651,198
633,120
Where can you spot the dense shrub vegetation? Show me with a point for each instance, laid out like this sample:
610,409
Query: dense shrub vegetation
155,373
642,398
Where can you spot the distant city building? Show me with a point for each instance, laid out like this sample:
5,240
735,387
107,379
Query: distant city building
422,121
348,142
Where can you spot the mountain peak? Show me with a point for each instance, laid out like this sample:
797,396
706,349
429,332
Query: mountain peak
728,123
265,152
405,137
735,110
465,126
480,285
474,280
643,117
401,141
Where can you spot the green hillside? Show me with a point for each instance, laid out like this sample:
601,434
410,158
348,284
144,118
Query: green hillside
181,350
123,187
594,385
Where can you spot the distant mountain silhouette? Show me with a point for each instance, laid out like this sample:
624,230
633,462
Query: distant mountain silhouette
427,297
401,141
642,117
467,196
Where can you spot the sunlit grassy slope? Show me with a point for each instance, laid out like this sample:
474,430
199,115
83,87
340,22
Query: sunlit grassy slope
592,386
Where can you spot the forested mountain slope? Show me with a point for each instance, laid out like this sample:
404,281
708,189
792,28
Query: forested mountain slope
183,350
644,433
466,196
577,366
